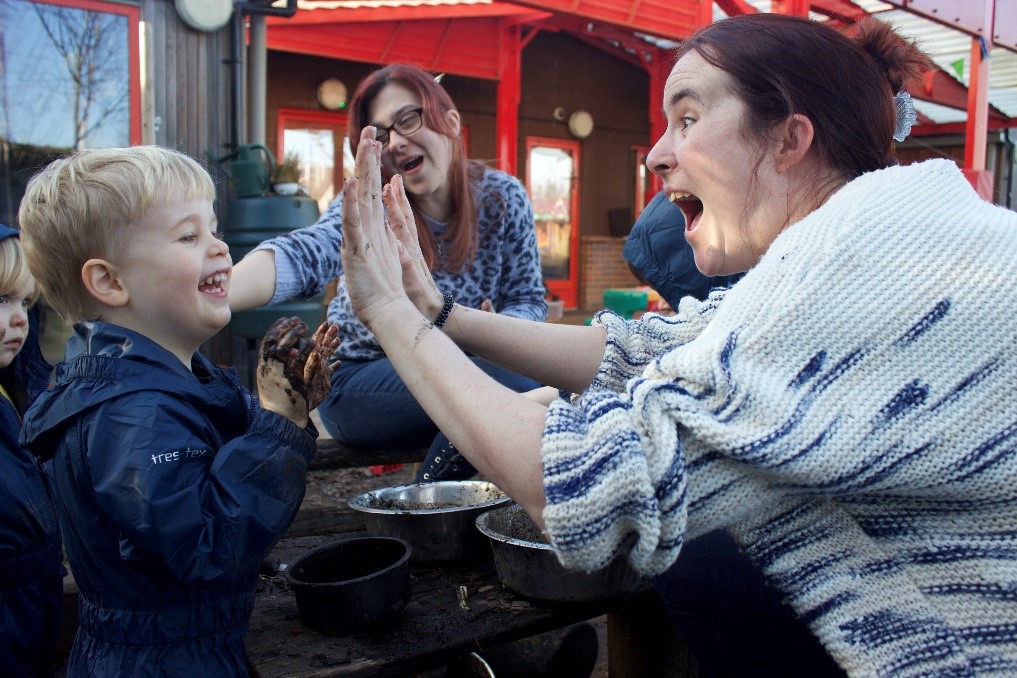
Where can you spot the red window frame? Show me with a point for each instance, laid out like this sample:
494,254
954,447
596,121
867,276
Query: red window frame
133,15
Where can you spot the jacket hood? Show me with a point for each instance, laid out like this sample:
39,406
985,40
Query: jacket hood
107,361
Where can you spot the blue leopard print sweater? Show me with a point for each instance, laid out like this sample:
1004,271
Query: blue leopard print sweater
847,411
506,269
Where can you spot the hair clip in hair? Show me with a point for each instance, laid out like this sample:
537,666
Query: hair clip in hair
906,116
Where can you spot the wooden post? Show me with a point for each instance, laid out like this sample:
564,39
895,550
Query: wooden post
509,84
641,641
975,131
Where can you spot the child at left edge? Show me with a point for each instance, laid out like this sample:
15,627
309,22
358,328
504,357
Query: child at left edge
172,483
31,570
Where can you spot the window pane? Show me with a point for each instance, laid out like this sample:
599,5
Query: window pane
550,178
315,146
64,84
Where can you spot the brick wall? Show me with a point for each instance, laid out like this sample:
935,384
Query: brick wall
601,267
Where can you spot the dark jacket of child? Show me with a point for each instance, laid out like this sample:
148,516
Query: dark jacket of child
657,249
31,573
172,486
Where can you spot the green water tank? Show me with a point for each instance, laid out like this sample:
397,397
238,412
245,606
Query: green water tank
251,221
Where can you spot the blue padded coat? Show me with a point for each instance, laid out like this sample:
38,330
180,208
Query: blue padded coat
172,486
31,573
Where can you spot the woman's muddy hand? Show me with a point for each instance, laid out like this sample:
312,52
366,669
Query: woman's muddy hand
370,250
417,280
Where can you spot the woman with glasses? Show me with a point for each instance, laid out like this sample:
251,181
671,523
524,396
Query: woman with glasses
475,226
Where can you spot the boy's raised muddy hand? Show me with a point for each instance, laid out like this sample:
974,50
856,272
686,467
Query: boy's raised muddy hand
293,370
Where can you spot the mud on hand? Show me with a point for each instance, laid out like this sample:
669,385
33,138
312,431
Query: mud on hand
294,370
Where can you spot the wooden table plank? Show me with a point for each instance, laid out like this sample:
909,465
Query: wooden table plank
333,454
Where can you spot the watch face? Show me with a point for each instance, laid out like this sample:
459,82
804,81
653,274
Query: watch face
332,94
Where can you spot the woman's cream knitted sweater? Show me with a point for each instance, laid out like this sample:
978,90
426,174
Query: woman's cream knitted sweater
847,410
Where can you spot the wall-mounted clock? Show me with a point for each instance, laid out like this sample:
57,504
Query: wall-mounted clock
580,124
332,94
205,15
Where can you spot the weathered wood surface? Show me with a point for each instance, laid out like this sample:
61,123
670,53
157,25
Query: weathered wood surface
326,520
333,454
433,628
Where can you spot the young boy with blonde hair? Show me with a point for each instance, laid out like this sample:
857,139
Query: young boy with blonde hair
172,483
31,570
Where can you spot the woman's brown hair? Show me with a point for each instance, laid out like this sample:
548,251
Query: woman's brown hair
782,65
461,235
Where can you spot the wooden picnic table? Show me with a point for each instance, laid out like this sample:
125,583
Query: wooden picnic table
454,609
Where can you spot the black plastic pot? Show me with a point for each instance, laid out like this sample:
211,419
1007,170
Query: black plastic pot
351,584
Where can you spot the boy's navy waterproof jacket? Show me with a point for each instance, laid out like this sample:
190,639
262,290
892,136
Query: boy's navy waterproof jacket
172,486
31,570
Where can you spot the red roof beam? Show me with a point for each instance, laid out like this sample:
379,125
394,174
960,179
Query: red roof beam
841,11
672,19
467,48
306,17
956,127
939,88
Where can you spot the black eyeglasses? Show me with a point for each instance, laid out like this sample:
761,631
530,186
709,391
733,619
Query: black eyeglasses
407,123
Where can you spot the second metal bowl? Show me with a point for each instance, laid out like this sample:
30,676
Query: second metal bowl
527,564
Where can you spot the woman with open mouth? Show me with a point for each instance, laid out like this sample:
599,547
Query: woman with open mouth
846,410
475,227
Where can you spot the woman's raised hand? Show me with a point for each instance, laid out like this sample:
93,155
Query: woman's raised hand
370,250
417,280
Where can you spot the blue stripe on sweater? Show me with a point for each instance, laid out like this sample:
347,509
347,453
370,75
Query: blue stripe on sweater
908,398
969,382
937,313
979,459
594,467
886,627
757,452
573,538
961,553
1006,592
811,369
830,605
989,634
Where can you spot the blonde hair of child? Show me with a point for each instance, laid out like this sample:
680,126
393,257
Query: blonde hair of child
14,271
81,207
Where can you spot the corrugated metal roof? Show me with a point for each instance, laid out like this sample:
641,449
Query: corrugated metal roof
949,48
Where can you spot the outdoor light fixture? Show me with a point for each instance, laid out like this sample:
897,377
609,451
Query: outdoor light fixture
205,15
580,124
332,94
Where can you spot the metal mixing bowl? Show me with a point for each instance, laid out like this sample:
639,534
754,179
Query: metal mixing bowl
436,519
527,564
